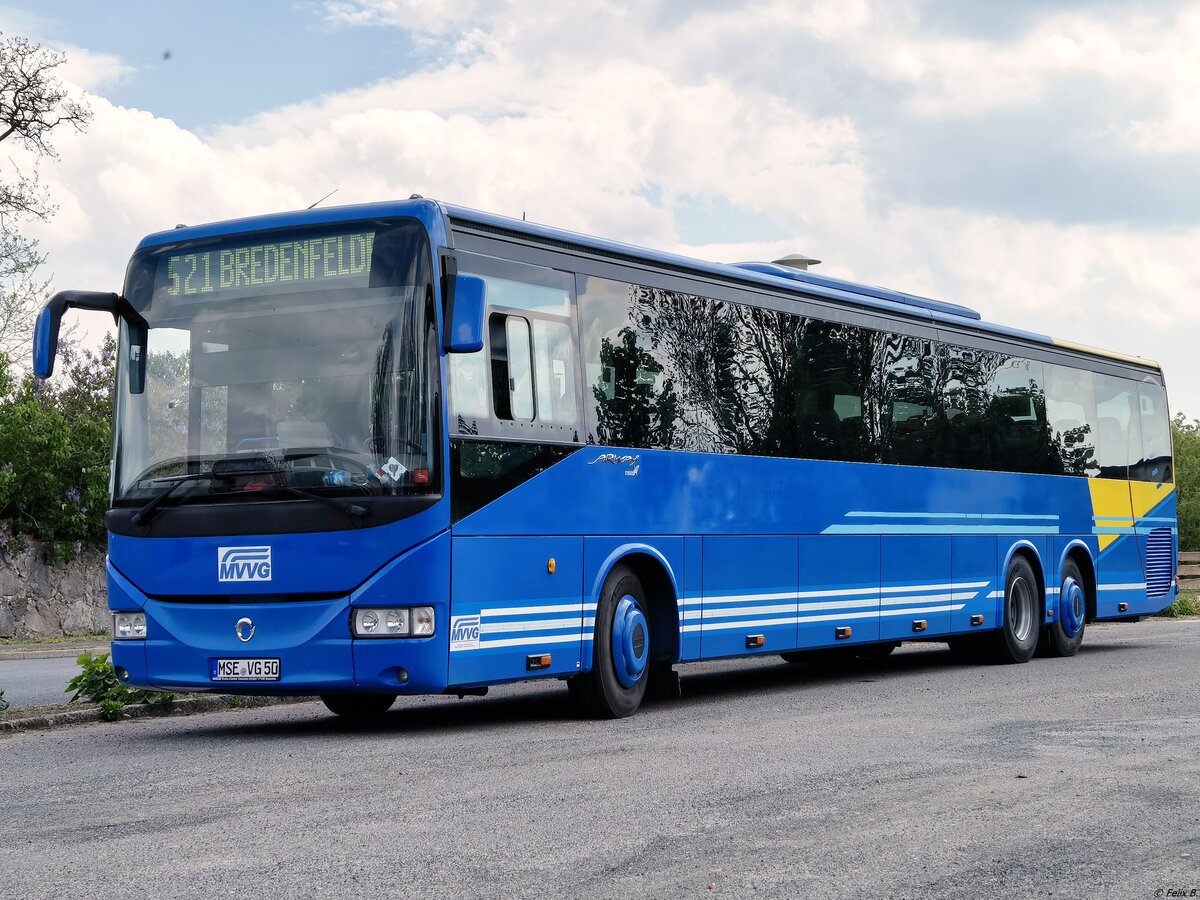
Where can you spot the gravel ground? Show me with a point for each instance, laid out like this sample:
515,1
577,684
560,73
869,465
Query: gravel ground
915,777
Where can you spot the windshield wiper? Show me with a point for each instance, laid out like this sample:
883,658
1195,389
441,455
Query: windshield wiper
147,512
350,509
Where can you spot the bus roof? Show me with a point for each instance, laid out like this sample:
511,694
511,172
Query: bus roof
771,275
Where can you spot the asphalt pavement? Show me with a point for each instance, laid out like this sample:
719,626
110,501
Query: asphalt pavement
36,682
914,777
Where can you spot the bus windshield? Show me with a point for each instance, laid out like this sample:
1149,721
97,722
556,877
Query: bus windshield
298,363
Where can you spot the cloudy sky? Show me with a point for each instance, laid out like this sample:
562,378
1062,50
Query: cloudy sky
1038,160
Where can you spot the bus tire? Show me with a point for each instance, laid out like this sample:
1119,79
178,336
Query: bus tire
616,684
1064,634
358,707
1017,638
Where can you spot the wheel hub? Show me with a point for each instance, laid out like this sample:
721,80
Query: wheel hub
630,641
1072,606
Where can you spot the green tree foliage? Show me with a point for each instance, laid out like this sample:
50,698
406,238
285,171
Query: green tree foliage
55,444
1186,437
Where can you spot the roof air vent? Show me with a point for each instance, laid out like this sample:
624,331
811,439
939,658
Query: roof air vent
797,261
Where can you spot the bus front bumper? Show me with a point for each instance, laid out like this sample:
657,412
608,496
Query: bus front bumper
283,649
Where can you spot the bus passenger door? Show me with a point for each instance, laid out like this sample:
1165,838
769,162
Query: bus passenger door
509,611
917,592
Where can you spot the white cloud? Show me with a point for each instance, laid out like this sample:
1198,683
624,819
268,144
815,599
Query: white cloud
92,71
609,120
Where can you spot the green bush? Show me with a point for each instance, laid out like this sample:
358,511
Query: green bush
97,683
1186,604
55,443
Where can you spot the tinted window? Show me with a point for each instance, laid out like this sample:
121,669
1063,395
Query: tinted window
1071,412
912,421
630,399
834,407
1017,408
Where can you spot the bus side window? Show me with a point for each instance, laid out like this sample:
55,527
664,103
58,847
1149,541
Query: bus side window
512,368
1116,399
1071,411
1155,464
1017,412
554,358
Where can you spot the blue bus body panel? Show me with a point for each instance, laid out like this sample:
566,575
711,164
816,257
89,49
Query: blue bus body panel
916,586
839,588
975,571
507,605
929,544
750,585
331,562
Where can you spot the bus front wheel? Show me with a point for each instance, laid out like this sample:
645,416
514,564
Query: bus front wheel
615,686
358,707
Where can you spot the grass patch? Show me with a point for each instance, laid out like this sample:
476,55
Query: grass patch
1186,604
87,640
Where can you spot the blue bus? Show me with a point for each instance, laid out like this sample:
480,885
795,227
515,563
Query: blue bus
408,447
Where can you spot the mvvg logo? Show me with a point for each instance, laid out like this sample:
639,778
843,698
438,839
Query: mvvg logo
464,633
243,564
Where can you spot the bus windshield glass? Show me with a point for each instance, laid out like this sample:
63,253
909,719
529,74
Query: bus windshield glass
297,362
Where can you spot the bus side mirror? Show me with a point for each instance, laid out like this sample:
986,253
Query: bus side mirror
45,331
464,325
45,343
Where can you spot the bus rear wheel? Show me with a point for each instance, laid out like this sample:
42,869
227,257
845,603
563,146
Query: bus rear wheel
1017,638
1063,636
615,686
358,707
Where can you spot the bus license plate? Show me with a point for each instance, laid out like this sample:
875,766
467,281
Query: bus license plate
245,669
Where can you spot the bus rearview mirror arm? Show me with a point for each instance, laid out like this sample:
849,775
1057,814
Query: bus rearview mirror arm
49,320
466,299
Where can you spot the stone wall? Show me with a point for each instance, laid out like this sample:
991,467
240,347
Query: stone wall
40,598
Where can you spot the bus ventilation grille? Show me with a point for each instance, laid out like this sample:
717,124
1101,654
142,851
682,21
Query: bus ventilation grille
1160,562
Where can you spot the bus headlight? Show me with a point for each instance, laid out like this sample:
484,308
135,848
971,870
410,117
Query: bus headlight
422,621
393,622
129,626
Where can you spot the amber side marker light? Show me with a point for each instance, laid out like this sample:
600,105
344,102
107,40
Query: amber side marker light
536,661
842,632
755,640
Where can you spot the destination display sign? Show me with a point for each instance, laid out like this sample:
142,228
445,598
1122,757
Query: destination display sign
298,264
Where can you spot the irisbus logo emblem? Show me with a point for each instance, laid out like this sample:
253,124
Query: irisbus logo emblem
243,564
